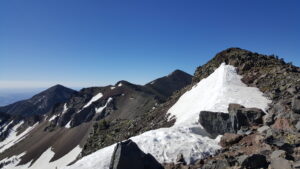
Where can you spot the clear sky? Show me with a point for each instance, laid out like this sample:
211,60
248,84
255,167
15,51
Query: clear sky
81,43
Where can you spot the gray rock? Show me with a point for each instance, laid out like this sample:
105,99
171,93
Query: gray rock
278,154
298,126
263,129
216,164
127,155
296,164
296,104
269,119
292,90
242,158
216,123
280,163
239,117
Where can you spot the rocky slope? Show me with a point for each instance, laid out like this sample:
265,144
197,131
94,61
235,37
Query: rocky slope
273,141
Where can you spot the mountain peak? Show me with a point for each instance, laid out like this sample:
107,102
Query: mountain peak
40,103
179,72
170,83
243,59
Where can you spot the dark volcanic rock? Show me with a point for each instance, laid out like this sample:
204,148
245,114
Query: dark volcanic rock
254,161
215,123
242,116
127,155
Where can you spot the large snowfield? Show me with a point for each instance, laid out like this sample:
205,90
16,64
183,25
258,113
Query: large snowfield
187,136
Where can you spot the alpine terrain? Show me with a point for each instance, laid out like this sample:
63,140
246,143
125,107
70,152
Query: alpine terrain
240,110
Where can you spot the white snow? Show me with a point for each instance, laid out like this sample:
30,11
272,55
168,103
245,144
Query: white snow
44,160
53,117
98,160
112,87
13,138
5,126
12,161
214,93
100,109
120,84
68,125
65,109
93,99
187,136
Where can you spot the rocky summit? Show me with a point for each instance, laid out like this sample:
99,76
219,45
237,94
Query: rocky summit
240,110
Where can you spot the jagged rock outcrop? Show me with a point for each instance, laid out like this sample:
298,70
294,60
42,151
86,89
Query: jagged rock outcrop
217,123
127,155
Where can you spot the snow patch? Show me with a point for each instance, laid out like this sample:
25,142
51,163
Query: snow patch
95,98
97,160
12,161
120,84
68,125
112,87
5,127
13,138
44,160
65,109
215,93
53,117
100,109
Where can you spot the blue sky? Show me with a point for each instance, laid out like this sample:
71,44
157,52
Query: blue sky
81,43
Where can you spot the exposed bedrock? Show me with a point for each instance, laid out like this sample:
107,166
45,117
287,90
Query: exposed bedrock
218,123
127,155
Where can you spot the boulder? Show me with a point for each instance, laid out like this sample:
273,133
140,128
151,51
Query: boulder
239,117
296,165
263,129
278,154
215,123
296,104
245,116
253,161
216,164
298,126
229,139
280,163
127,155
282,124
269,119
